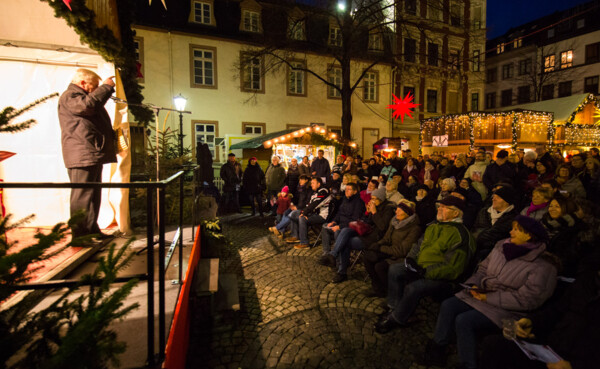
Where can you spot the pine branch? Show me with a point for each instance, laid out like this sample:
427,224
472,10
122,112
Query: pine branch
9,113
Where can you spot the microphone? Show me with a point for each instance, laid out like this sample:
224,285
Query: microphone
119,100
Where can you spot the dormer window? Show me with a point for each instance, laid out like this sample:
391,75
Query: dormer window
375,41
296,30
202,12
251,21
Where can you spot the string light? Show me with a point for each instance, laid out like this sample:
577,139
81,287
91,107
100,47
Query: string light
301,132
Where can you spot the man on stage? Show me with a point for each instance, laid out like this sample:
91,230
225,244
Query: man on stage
88,142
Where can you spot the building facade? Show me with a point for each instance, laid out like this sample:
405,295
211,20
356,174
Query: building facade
552,57
213,53
441,48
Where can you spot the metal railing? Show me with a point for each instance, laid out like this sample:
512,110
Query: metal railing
160,186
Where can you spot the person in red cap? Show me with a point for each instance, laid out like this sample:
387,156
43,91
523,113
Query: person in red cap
284,199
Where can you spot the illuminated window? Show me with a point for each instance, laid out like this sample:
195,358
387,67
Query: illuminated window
549,63
206,133
566,59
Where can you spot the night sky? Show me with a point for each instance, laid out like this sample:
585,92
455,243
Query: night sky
504,14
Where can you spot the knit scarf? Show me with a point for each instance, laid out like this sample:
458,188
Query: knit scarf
427,174
397,224
553,226
512,251
495,215
533,208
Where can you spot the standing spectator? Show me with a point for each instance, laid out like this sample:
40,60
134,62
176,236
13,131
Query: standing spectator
445,168
231,173
320,166
253,184
544,171
500,171
475,173
410,169
293,174
429,173
275,176
87,140
304,167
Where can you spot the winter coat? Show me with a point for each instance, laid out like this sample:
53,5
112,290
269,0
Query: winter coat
315,206
87,136
283,203
537,214
520,285
486,234
457,172
574,187
275,176
394,197
399,237
231,173
388,171
426,211
253,179
407,173
351,209
304,194
433,174
292,178
321,166
445,250
477,169
570,325
366,197
379,222
495,173
563,233
304,170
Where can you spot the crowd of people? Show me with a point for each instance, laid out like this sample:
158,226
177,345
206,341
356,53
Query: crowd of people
505,238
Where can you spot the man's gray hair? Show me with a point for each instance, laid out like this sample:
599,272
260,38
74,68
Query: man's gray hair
530,155
85,75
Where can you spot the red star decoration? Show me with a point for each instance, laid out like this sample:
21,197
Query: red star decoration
68,4
402,107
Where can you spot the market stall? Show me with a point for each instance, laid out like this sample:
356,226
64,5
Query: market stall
291,143
386,145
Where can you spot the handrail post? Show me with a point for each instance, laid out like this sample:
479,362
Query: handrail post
150,271
161,272
181,228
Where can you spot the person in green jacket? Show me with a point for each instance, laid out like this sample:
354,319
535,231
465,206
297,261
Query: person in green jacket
431,266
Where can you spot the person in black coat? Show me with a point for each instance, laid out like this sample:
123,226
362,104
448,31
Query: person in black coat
231,174
495,222
320,166
500,171
253,184
292,177
425,206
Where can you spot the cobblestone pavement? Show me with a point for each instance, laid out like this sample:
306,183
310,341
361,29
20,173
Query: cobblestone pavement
292,316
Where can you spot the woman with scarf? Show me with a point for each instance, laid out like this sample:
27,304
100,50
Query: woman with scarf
458,169
516,277
365,195
402,232
391,192
447,185
410,169
569,182
428,173
540,198
563,226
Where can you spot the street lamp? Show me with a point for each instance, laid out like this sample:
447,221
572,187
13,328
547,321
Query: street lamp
341,5
180,106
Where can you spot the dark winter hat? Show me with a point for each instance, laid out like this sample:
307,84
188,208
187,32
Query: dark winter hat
502,154
405,208
461,191
453,201
424,187
231,154
507,194
533,227
337,171
379,193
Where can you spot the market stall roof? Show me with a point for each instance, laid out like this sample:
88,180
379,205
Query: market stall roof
256,142
562,107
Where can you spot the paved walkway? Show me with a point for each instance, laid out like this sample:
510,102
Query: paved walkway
292,316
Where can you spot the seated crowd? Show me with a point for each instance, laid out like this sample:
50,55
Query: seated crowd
512,238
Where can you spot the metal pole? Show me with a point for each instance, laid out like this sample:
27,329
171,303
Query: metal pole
150,266
181,201
161,273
